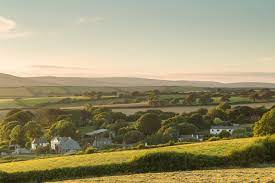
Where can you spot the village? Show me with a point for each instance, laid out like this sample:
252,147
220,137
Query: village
99,139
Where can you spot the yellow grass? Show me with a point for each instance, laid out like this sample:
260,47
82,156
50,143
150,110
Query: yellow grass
262,175
219,148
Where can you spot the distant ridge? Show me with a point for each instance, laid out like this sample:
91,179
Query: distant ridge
13,81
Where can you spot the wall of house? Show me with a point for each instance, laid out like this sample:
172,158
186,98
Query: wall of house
218,131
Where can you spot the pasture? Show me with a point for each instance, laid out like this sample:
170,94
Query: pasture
216,148
181,109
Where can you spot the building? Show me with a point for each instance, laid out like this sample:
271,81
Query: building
64,145
20,150
99,138
190,137
216,130
39,142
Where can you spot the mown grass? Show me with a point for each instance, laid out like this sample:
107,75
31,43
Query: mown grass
217,148
265,174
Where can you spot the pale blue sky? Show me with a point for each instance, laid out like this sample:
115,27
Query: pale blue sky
145,38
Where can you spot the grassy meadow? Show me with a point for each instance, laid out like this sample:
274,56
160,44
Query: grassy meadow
216,148
263,175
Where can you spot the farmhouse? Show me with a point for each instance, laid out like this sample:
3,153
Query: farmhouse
39,142
64,145
99,138
216,130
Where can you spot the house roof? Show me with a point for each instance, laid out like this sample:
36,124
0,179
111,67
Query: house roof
39,140
61,139
96,132
224,127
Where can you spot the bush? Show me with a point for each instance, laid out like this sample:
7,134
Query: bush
3,176
90,150
214,138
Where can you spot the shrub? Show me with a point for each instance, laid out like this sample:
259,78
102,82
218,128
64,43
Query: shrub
214,138
90,150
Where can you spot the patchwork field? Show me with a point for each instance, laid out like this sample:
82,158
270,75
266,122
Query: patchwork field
181,109
218,148
263,175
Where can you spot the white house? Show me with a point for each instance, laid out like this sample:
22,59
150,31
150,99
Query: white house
64,145
39,142
216,130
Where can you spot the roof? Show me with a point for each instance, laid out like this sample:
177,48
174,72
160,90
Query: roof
39,140
96,132
61,139
224,127
70,144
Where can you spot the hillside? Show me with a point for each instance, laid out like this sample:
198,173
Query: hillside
13,81
217,148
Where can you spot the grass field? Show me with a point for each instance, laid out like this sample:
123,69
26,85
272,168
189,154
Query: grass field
262,175
181,109
218,148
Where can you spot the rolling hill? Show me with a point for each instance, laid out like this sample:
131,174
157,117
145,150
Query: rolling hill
13,81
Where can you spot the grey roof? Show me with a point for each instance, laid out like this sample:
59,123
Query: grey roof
70,144
224,127
39,141
96,132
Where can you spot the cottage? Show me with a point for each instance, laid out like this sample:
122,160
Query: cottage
64,145
99,138
39,142
216,130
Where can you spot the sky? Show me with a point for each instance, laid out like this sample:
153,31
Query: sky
219,40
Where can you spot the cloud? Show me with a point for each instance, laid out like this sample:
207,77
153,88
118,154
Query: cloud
88,20
8,29
6,25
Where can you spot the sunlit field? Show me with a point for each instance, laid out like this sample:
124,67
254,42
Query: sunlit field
218,148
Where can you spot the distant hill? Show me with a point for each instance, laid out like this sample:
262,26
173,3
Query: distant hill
13,81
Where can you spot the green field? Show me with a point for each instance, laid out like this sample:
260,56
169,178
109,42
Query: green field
181,109
217,148
265,174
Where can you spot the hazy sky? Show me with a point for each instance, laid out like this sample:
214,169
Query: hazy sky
143,38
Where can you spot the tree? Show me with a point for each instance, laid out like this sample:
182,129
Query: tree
63,128
21,116
149,123
224,106
33,130
254,96
187,129
190,99
17,135
225,98
266,125
133,136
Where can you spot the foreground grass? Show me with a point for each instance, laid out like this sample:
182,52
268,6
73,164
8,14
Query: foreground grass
266,174
217,148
